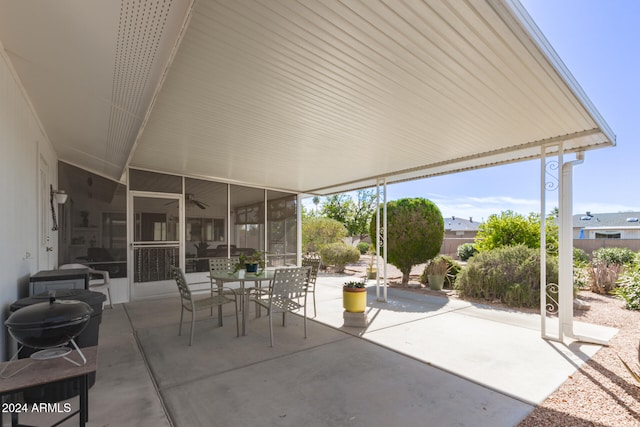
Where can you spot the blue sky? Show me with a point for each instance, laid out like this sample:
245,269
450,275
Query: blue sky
599,41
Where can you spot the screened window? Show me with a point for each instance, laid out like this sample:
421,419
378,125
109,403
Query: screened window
93,222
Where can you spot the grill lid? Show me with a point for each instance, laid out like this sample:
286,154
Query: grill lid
52,314
49,324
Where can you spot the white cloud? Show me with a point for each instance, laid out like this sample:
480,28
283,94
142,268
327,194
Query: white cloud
480,208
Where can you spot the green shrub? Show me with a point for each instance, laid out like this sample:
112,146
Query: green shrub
415,229
518,295
363,247
339,255
510,274
466,251
616,256
450,279
511,229
629,288
580,277
580,257
320,231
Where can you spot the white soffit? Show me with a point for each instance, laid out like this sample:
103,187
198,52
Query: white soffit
324,96
90,69
312,96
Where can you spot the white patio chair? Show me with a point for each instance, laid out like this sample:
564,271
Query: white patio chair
289,285
100,282
314,263
189,303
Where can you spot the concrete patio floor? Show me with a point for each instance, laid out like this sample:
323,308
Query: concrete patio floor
422,360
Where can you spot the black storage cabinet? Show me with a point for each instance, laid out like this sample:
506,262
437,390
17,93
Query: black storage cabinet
65,389
46,280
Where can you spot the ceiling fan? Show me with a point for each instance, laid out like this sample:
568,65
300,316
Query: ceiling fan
190,200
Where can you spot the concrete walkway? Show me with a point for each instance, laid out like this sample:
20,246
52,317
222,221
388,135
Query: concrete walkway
422,360
498,348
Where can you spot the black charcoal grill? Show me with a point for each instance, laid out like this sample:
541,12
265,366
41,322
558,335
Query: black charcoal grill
49,324
73,316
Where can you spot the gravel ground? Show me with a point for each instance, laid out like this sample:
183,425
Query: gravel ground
601,392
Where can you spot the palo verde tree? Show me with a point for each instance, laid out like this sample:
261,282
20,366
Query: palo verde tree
414,235
354,214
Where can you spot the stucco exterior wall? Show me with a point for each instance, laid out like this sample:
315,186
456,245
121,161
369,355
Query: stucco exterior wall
625,232
22,143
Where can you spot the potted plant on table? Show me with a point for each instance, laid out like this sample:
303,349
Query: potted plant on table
436,271
354,297
251,263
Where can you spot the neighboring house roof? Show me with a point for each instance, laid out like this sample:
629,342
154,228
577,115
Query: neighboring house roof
460,224
607,220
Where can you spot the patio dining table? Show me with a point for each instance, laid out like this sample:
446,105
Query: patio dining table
227,277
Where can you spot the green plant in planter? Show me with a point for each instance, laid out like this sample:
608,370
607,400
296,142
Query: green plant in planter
353,285
450,277
354,297
436,271
371,270
255,259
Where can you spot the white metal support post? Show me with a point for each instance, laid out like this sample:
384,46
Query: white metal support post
549,181
543,243
384,241
565,251
377,239
299,230
565,254
382,298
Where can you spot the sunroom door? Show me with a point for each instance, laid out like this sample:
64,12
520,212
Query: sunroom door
157,242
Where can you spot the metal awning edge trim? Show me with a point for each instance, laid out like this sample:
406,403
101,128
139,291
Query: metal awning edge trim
365,182
517,10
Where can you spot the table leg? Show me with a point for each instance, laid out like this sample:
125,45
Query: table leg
258,295
219,284
84,400
244,304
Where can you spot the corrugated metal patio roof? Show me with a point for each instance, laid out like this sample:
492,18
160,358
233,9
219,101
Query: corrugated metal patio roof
308,96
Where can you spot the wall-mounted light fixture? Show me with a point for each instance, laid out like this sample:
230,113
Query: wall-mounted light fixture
60,197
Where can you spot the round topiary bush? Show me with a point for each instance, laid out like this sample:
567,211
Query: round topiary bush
415,229
339,255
